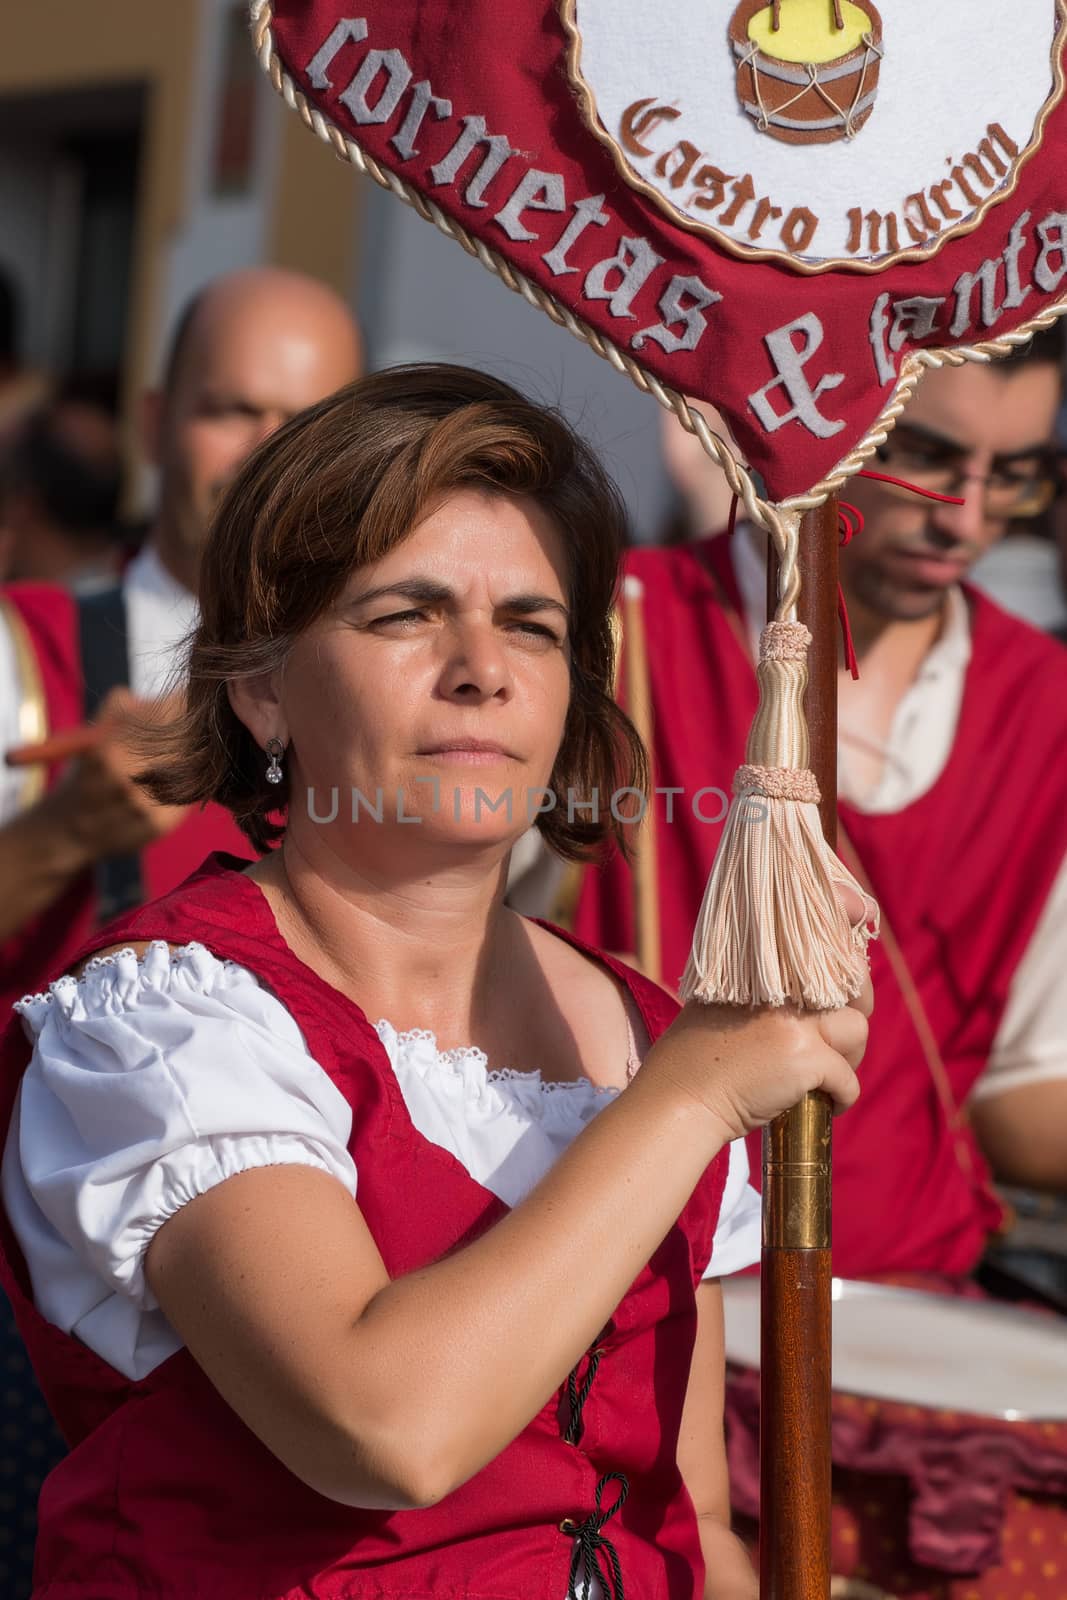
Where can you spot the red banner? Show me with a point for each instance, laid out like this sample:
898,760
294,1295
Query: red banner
768,207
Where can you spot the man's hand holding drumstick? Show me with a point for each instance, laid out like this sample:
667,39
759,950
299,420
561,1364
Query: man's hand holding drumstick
96,810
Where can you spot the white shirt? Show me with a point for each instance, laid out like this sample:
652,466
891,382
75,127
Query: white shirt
153,1080
1031,1042
160,612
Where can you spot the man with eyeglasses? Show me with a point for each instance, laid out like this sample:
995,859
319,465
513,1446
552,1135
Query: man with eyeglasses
1020,490
953,788
1021,572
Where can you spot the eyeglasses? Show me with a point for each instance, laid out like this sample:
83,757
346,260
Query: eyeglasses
1015,487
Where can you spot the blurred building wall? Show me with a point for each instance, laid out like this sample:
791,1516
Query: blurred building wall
294,206
228,176
60,47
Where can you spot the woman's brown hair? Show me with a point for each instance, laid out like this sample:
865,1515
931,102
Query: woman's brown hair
335,489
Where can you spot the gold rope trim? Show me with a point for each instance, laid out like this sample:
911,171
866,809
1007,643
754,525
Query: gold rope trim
764,513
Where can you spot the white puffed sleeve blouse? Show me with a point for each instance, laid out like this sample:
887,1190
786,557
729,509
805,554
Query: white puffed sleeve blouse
154,1079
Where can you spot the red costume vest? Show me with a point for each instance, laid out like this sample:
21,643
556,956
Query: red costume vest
962,875
166,1493
49,617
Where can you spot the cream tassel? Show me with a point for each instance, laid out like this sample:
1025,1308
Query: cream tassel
771,928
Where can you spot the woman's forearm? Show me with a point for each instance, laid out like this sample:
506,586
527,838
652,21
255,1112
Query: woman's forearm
485,1326
394,1391
498,1326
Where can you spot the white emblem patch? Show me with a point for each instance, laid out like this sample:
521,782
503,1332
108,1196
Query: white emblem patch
820,132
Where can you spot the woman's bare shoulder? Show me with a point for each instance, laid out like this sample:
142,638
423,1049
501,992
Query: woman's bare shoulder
572,966
557,953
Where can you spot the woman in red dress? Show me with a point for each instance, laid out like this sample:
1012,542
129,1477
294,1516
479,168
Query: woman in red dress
353,1253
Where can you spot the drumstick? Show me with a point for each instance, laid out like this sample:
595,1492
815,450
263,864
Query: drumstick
839,21
776,15
71,742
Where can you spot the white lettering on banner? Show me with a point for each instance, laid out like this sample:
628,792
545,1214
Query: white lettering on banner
1016,292
497,151
397,77
538,191
585,212
914,318
1052,232
895,324
423,100
789,360
636,260
380,89
351,30
876,330
673,310
964,288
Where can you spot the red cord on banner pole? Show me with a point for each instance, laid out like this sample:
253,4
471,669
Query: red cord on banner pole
846,634
850,523
902,483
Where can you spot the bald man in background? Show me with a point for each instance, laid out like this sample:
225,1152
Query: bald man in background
250,351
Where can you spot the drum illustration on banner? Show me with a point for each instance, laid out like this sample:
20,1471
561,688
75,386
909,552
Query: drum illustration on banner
807,72
945,131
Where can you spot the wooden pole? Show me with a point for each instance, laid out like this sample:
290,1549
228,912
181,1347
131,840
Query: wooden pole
795,1295
639,709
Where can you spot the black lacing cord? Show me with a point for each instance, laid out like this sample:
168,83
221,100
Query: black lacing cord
576,1397
593,1554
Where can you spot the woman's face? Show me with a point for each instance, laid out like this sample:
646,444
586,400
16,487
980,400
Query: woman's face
434,694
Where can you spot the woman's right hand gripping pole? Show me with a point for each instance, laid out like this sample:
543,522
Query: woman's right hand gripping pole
747,1066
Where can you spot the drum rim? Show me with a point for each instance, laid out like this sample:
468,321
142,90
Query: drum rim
745,10
860,1289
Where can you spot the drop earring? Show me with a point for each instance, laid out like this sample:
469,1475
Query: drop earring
275,749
